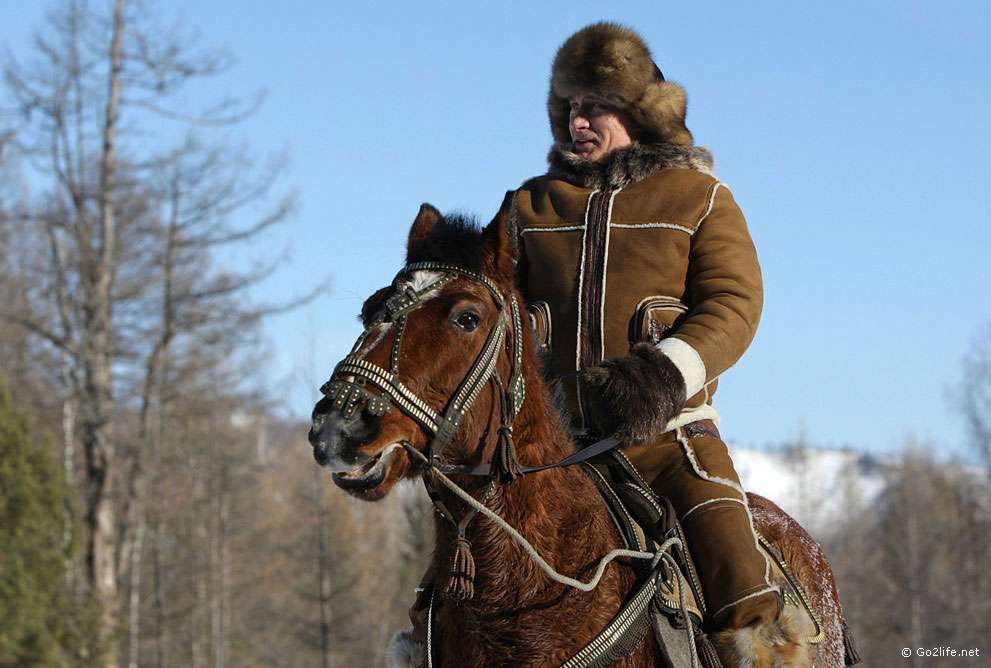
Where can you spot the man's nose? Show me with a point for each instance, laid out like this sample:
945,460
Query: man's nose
579,122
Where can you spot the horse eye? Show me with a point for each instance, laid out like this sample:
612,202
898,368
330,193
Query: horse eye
467,321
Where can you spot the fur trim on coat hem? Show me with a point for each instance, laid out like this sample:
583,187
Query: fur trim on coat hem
779,644
625,165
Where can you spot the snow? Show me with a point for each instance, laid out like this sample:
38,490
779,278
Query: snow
815,486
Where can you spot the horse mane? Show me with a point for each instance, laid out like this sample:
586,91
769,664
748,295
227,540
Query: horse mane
455,239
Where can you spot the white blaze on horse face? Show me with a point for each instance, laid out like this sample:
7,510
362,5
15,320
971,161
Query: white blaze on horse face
373,336
422,279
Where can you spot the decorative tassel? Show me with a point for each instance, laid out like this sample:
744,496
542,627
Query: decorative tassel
461,585
507,465
851,656
707,651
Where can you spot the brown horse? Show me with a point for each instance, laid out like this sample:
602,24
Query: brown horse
517,615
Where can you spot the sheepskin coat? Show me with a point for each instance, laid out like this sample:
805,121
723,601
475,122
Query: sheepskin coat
645,246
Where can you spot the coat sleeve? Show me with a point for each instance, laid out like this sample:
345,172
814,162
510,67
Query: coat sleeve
724,292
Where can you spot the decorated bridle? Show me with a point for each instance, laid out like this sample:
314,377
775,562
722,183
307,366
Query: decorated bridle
349,389
349,384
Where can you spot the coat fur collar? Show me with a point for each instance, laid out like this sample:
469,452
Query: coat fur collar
626,165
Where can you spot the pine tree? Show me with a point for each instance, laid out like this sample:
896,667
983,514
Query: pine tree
42,621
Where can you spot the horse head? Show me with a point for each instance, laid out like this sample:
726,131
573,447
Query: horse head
416,377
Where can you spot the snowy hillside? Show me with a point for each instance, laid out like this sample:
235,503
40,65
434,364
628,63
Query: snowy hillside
810,484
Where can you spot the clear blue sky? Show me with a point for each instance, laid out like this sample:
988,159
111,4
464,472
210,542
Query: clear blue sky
854,135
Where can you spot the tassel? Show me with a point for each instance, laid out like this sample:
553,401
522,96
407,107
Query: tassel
507,465
708,655
851,656
461,585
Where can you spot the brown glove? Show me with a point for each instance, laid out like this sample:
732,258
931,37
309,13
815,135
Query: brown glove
633,397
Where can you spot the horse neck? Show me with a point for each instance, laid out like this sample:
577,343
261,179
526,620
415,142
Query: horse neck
558,511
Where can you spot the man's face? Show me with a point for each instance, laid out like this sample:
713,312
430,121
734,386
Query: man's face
597,128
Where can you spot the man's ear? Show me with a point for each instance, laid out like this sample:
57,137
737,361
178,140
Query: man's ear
501,247
424,223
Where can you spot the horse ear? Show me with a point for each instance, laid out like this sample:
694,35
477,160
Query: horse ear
426,218
502,250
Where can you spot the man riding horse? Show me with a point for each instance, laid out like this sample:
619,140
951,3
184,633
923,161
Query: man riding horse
643,283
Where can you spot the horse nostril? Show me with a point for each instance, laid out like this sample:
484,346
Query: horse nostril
317,424
362,427
320,453
336,435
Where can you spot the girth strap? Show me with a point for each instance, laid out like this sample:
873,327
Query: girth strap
623,633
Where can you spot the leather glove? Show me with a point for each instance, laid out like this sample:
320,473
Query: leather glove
633,397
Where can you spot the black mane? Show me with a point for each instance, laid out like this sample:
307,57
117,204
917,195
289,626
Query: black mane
455,239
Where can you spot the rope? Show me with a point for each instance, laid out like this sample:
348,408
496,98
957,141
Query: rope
530,550
661,553
430,630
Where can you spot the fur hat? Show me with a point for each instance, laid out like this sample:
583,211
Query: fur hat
614,63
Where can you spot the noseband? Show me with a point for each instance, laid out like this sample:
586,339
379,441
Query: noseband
348,385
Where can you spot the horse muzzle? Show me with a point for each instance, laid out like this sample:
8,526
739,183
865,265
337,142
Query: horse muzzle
337,435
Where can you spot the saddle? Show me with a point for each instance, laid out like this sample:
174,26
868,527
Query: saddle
646,521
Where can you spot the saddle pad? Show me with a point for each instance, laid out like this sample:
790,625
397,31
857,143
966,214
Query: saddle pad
611,481
791,590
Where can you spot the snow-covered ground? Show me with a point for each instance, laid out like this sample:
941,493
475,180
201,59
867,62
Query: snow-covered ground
812,485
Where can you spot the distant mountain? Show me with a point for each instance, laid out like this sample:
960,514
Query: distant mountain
815,486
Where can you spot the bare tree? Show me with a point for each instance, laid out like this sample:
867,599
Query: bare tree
119,246
911,566
974,395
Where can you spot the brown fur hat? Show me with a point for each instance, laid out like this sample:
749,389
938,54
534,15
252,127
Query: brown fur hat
614,63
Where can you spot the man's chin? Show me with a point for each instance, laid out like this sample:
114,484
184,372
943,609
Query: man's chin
584,148
592,155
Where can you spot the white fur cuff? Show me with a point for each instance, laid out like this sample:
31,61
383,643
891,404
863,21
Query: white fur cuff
688,361
405,651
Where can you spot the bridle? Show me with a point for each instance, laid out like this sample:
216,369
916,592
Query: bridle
348,387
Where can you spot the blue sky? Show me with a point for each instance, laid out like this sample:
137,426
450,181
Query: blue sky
854,136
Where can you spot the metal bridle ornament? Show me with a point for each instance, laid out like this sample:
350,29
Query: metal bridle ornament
349,383
350,388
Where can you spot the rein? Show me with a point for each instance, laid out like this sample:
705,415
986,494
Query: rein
591,653
349,385
348,388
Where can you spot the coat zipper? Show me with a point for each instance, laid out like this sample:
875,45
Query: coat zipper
593,272
591,280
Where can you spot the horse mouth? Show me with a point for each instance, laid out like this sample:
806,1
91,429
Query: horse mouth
369,475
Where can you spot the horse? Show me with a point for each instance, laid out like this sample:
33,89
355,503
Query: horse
408,398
